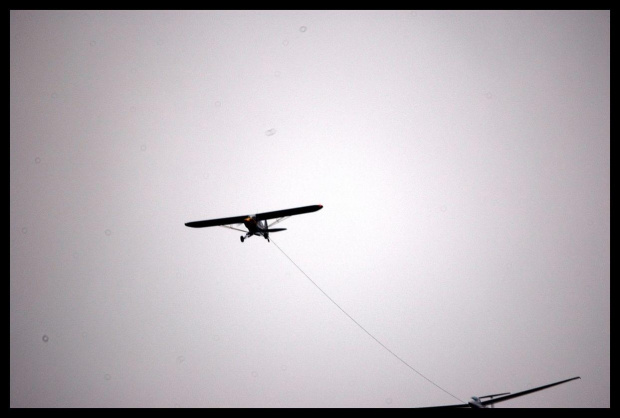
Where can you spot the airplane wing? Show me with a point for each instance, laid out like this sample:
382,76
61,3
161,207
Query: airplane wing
525,392
217,222
288,212
259,216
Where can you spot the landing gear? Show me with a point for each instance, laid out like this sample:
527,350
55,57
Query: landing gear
242,238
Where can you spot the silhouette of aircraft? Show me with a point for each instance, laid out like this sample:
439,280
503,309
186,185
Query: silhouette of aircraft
477,402
256,224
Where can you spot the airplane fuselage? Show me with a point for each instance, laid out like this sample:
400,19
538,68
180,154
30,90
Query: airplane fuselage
255,227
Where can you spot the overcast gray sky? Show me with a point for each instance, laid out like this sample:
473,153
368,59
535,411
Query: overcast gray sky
462,158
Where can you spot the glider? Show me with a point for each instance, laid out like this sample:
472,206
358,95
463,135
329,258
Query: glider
256,224
477,402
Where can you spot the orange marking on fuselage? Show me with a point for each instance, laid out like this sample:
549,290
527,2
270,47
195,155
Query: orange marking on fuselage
250,224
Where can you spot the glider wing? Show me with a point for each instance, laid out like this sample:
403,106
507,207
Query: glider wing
525,392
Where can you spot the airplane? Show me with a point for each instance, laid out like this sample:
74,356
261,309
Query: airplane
256,224
477,402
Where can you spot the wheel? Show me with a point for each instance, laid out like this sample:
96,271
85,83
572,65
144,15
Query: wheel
242,239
